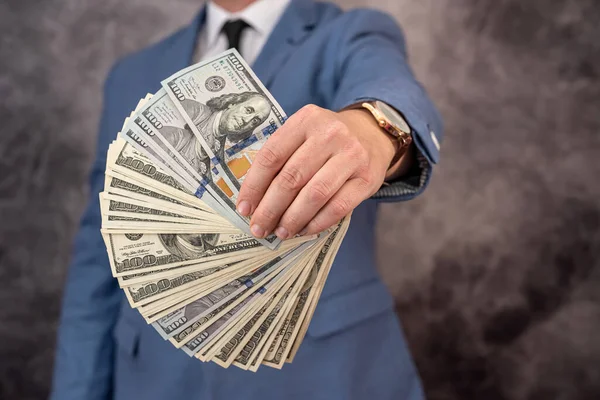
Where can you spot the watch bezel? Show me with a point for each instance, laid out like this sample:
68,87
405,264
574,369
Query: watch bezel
393,117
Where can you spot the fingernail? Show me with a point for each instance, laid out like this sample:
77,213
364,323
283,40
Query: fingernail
303,232
257,231
281,233
244,208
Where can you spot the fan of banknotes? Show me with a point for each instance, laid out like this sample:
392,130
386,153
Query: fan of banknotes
178,248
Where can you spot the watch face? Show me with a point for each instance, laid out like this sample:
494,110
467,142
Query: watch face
393,116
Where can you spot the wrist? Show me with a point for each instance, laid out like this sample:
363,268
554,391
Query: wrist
402,165
382,147
393,124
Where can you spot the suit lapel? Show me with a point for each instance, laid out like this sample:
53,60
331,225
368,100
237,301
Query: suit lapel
294,26
180,50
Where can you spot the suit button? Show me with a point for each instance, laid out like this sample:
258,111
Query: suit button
434,139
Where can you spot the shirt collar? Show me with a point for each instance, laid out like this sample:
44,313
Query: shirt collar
261,15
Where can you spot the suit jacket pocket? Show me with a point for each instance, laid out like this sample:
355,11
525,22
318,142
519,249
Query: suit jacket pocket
127,337
340,311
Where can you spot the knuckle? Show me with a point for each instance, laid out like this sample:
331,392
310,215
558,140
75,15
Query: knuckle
334,129
357,151
317,225
291,221
290,178
249,188
367,182
265,214
310,109
306,112
369,179
340,207
268,158
339,126
319,192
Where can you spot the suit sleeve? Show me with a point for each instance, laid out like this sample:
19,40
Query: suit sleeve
85,347
372,65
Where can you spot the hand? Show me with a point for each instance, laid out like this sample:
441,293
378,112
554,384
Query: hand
313,171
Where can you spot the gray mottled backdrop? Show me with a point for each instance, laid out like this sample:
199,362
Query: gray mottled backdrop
496,270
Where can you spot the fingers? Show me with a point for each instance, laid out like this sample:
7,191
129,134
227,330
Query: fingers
311,173
284,188
317,192
350,195
269,160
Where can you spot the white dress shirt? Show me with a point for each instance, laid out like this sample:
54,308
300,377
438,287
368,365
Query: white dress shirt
262,16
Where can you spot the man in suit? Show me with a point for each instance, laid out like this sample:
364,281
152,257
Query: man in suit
332,156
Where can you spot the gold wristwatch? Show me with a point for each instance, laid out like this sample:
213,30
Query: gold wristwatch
392,122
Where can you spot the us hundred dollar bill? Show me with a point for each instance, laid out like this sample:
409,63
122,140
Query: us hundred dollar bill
256,338
230,347
134,136
148,133
122,206
184,319
126,187
199,341
162,118
133,253
139,294
251,350
162,124
112,205
165,126
215,335
120,212
124,159
181,323
277,355
228,350
229,111
252,346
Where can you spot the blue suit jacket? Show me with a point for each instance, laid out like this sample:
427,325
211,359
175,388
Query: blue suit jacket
354,347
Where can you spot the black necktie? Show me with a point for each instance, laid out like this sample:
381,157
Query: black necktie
233,30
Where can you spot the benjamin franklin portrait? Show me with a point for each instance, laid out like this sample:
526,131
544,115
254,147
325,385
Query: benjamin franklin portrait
189,246
230,117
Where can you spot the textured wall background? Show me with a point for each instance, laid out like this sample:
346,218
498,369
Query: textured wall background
497,277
